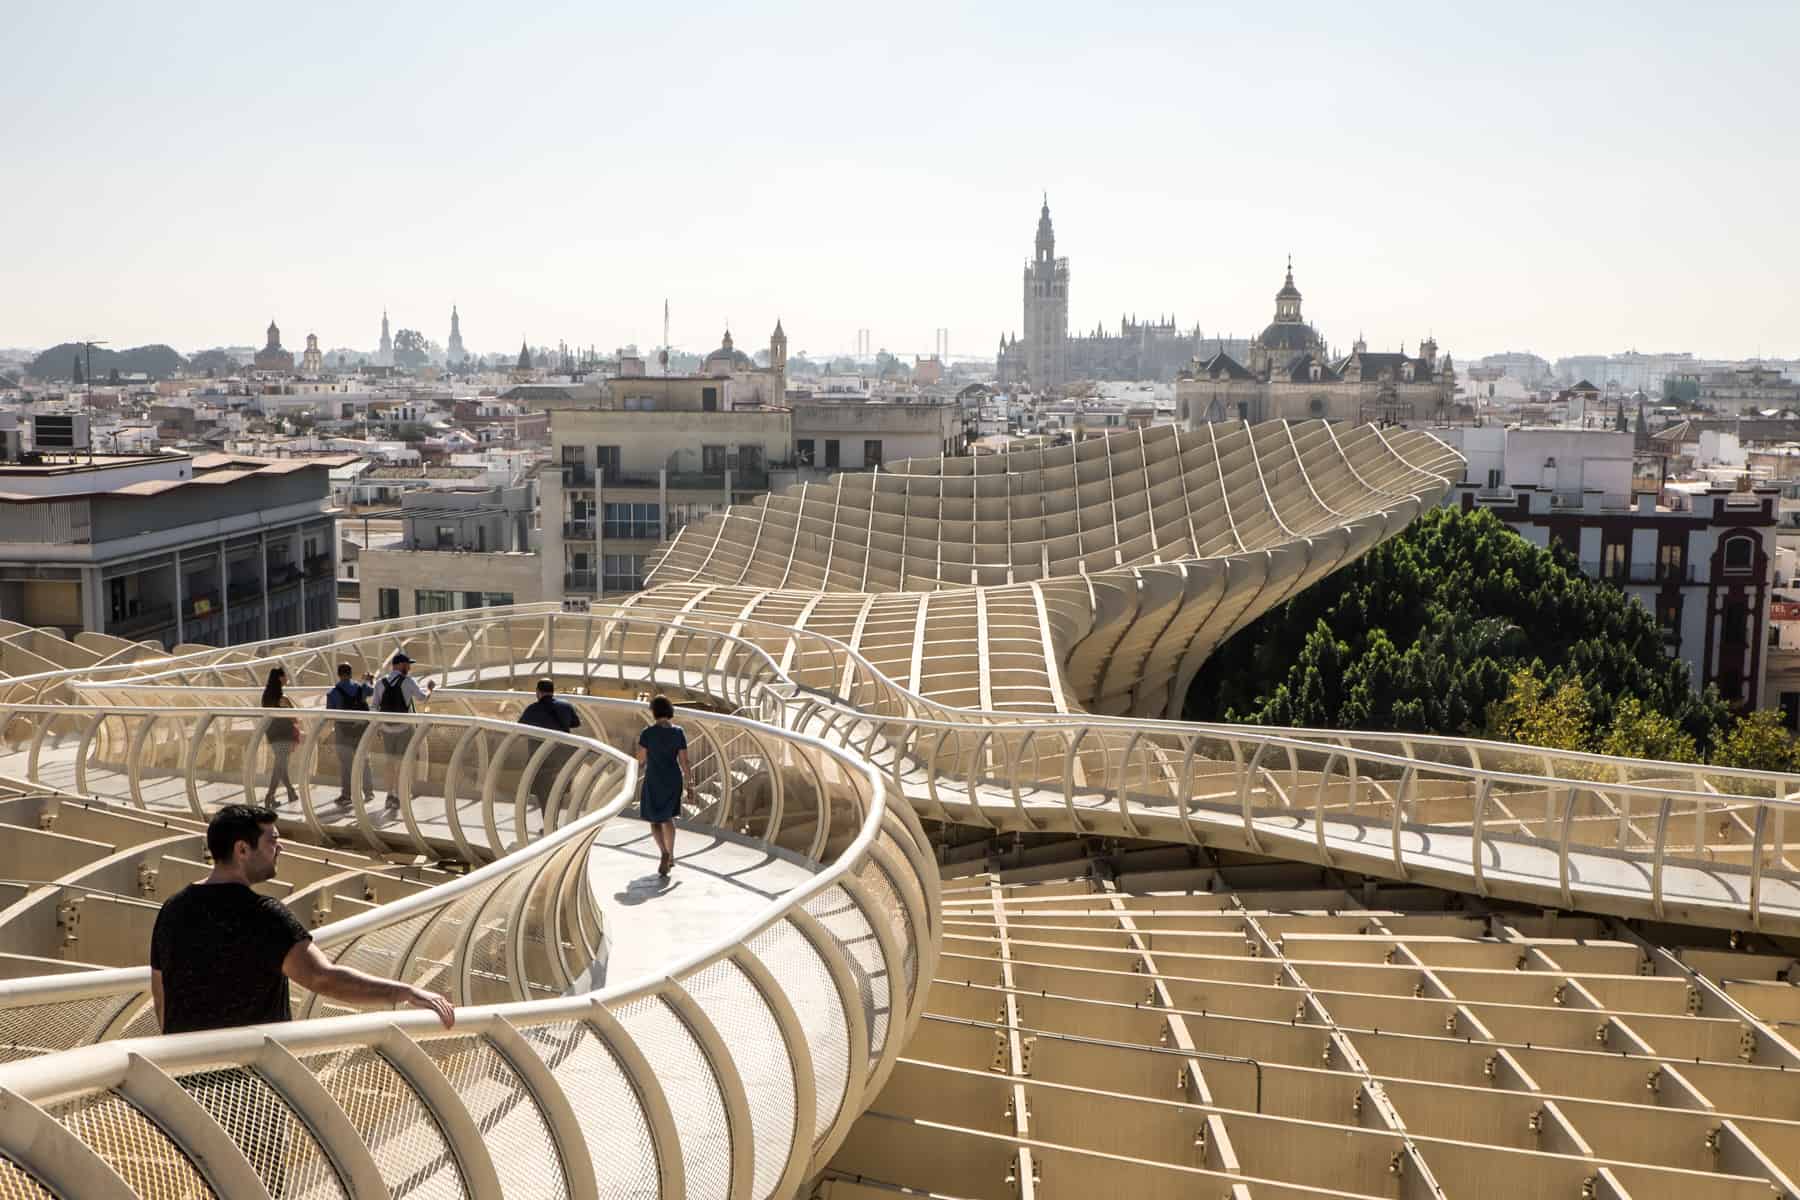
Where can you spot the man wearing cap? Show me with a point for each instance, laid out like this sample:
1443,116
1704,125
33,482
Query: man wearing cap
397,692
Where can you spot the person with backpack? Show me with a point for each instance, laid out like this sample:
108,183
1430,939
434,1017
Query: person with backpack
350,695
398,692
283,735
547,712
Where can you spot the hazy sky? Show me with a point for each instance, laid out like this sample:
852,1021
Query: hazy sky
1576,177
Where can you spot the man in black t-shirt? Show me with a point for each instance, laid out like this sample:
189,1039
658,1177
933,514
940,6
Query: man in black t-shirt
222,954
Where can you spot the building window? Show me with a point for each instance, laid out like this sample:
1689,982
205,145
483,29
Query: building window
709,399
1740,553
803,451
387,602
1671,560
1790,709
750,459
486,599
633,521
1615,560
446,537
433,600
606,459
712,459
1668,614
872,453
621,572
831,452
1736,629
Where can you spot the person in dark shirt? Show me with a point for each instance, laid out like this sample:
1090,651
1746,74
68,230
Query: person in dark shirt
547,712
222,954
662,750
349,695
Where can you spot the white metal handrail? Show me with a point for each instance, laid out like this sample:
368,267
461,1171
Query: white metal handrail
1647,805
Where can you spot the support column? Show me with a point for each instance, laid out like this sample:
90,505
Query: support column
262,573
180,600
224,599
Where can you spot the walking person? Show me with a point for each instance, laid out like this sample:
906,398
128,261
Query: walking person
283,735
398,692
662,752
547,712
349,694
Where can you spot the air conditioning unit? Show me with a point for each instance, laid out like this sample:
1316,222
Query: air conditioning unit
59,432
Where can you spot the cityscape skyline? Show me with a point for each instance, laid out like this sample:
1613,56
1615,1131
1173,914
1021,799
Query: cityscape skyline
1494,191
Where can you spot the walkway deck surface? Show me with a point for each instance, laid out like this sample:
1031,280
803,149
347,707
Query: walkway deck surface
718,881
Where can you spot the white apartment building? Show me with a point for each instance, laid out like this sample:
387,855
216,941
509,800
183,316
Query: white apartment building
1701,557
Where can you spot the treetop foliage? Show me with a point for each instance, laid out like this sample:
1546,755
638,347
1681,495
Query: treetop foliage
1460,626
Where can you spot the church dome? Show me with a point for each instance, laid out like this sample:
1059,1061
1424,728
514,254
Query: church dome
1287,335
726,359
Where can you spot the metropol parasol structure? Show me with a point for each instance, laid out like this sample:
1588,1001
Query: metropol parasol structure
960,910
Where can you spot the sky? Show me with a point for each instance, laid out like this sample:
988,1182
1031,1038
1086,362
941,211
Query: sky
1568,178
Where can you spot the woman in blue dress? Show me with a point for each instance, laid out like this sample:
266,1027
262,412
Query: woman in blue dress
663,754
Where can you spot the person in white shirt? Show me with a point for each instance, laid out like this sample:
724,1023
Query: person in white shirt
397,692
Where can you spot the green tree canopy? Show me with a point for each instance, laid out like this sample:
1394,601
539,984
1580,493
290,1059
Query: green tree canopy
1761,742
1429,632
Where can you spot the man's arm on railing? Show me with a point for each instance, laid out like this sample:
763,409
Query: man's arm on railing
309,968
156,998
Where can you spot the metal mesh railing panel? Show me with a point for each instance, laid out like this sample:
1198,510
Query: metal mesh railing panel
516,1133
693,1091
744,1020
409,1148
792,960
887,894
431,965
606,1105
281,1149
35,1029
490,962
16,1183
145,1024
378,951
141,1154
841,918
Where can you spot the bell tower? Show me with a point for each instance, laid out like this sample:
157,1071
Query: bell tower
1046,310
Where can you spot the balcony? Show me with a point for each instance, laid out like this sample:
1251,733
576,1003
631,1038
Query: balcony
578,531
318,566
574,476
1639,573
698,480
580,581
243,593
629,530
